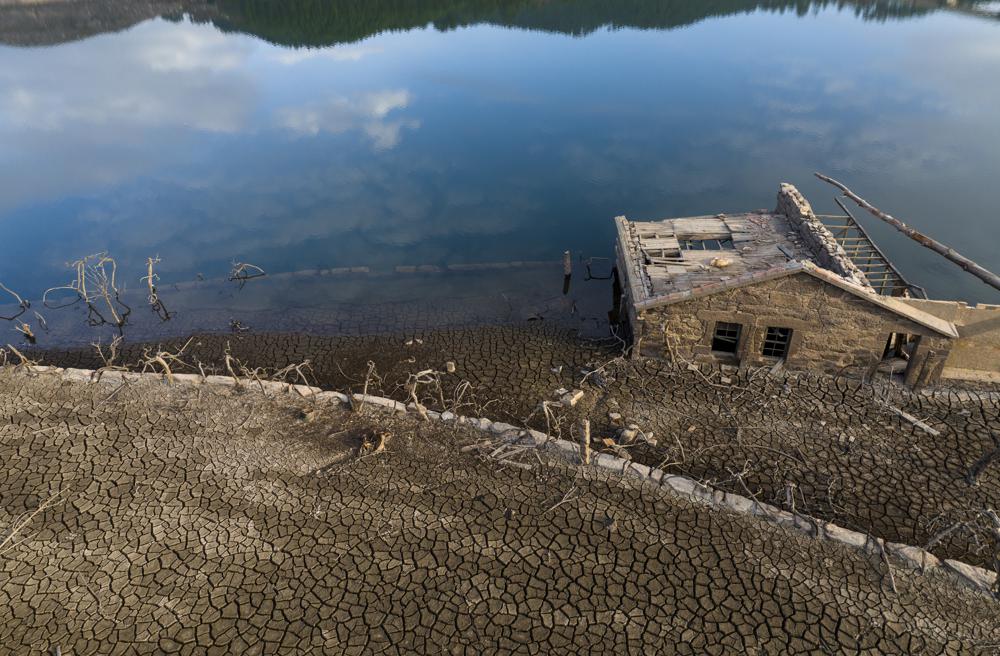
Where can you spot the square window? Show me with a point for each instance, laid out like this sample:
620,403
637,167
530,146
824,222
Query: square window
776,342
726,338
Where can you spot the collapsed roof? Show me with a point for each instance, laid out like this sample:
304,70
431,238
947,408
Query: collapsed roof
672,260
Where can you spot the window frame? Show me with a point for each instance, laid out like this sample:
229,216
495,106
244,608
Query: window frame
730,326
780,336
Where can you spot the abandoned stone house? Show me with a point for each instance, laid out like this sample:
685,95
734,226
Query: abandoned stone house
812,292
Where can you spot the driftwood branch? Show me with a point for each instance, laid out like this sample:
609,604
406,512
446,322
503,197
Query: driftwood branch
22,305
913,420
987,276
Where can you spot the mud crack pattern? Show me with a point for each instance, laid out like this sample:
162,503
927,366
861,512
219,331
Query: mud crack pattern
209,521
823,446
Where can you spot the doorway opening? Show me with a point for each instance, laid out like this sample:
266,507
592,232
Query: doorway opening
899,349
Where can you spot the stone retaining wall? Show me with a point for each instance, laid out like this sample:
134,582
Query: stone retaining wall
914,557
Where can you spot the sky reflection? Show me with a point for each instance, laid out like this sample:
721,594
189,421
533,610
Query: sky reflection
487,144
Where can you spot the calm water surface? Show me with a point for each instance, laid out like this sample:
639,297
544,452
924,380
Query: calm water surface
298,135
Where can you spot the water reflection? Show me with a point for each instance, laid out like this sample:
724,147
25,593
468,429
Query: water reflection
192,139
368,112
309,23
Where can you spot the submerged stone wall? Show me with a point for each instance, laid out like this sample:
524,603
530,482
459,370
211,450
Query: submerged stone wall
833,330
827,251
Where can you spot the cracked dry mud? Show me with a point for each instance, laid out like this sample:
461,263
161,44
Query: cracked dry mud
828,446
204,520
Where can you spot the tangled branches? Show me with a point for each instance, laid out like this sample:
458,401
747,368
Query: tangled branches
164,360
413,383
96,287
242,272
110,358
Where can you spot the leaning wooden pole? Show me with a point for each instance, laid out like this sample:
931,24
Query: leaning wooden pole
987,276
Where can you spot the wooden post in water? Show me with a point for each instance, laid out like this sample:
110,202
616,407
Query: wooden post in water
585,442
567,271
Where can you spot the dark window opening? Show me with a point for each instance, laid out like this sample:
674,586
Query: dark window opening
899,346
726,338
725,244
776,342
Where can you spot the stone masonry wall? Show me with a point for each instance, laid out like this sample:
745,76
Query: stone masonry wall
976,353
828,252
833,330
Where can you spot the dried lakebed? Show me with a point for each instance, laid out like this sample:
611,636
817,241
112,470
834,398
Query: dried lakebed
830,448
208,520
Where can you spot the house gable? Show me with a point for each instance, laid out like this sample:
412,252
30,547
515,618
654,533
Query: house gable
875,301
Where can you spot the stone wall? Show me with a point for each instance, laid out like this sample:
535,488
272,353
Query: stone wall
975,355
829,254
629,278
833,330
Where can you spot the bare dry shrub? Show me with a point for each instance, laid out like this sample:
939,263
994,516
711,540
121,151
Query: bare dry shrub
165,361
242,272
12,537
95,286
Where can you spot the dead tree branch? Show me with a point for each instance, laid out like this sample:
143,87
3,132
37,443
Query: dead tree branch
41,321
22,304
9,538
155,302
165,360
948,252
242,272
25,362
109,359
